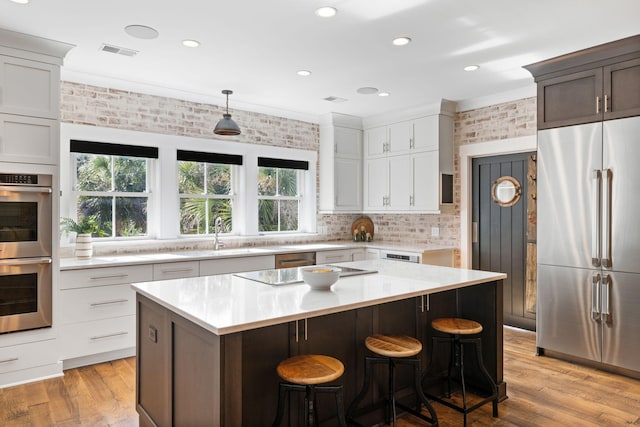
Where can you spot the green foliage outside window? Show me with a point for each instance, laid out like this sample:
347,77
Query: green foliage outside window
113,189
205,193
278,199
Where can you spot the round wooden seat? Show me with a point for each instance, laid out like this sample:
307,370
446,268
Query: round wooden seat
393,345
309,369
456,326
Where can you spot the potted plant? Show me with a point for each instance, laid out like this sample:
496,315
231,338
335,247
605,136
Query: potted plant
84,229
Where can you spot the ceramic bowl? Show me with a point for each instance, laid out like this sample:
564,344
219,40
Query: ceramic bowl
320,277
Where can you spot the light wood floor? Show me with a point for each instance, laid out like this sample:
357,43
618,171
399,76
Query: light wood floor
542,392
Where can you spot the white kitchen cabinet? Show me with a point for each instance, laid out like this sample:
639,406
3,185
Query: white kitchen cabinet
104,276
340,164
376,184
211,267
403,183
358,254
176,270
376,141
405,175
96,339
400,137
29,139
425,181
400,183
372,253
328,257
96,313
29,88
36,357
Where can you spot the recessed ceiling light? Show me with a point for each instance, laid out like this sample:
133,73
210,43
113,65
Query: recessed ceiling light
326,11
471,67
304,73
141,31
384,94
401,41
367,90
20,1
190,43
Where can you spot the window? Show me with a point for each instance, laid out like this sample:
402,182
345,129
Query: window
111,183
205,187
279,193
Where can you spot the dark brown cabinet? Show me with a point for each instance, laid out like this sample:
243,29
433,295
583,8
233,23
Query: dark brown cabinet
187,375
600,83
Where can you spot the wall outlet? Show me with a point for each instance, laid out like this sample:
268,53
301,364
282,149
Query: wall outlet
435,231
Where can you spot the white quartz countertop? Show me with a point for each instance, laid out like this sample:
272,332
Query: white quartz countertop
225,304
151,258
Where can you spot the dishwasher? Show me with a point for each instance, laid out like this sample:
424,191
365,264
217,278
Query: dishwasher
296,259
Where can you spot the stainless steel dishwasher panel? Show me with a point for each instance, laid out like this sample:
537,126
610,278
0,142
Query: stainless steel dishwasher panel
296,259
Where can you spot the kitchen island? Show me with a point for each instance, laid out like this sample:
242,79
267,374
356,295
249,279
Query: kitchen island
207,347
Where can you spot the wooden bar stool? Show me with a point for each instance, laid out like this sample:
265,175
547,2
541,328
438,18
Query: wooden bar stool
393,350
457,328
304,373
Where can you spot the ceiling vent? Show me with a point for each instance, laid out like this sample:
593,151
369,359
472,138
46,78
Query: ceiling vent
335,99
119,50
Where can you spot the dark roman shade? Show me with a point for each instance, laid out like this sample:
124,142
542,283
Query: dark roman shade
197,156
107,148
268,162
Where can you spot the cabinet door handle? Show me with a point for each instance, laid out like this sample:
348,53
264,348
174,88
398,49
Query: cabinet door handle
103,303
112,276
597,105
11,359
606,99
177,270
595,297
101,337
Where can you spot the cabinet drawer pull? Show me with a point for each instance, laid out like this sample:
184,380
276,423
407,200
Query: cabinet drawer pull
12,359
177,270
101,337
103,303
111,276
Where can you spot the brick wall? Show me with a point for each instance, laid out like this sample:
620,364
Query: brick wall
98,106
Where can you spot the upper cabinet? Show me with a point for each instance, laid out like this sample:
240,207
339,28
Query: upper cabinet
340,163
29,88
405,160
600,83
30,98
403,137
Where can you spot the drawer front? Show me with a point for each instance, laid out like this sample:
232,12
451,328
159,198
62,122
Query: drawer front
30,355
176,270
83,278
328,257
95,303
236,265
99,336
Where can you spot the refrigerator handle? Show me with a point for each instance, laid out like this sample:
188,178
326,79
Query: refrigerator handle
607,262
596,220
595,297
605,306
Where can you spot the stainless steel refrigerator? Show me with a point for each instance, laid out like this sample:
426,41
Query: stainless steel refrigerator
589,241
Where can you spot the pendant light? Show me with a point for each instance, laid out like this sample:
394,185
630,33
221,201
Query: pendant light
226,126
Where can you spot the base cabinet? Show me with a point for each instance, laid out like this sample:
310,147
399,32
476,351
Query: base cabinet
189,376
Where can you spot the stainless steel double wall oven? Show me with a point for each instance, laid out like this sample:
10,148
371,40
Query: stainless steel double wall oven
25,251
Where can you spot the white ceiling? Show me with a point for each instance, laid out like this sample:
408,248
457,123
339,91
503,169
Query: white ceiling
255,47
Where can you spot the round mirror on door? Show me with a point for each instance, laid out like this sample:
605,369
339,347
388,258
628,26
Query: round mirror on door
506,191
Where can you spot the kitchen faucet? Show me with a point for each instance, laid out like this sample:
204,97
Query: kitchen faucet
217,225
